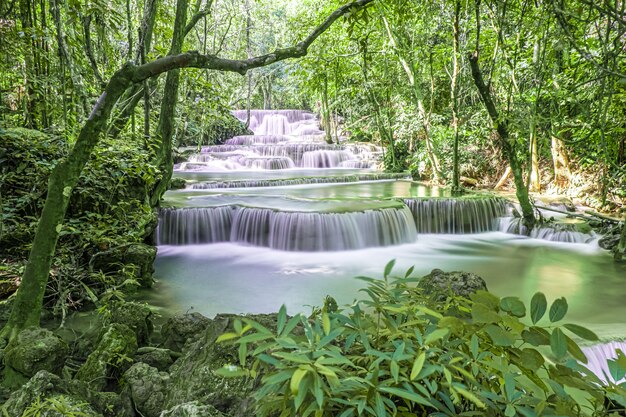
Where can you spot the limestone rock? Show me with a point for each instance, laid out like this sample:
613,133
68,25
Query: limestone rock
193,376
146,388
36,349
192,409
140,255
137,316
440,284
114,353
41,385
155,357
179,329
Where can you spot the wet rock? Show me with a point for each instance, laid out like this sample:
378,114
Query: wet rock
140,255
192,409
34,350
441,284
146,388
112,356
158,358
179,329
137,316
193,377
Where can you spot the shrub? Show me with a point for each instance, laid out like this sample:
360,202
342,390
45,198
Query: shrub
400,353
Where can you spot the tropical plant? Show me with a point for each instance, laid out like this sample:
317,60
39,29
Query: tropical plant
401,352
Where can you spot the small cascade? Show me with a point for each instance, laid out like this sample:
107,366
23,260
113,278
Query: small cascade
297,231
296,181
599,355
209,165
188,226
266,162
325,158
256,140
355,163
273,124
288,231
457,216
559,232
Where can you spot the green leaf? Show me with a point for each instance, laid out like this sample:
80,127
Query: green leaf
409,272
243,352
435,335
483,314
531,359
581,332
326,323
514,306
281,319
558,343
499,336
226,336
536,336
538,306
558,309
407,395
417,365
296,378
389,267
575,351
470,396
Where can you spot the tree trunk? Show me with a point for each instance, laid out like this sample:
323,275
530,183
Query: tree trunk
454,93
560,161
620,250
163,158
507,146
535,178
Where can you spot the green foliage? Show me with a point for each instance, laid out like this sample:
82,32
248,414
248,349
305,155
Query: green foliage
59,405
399,353
396,155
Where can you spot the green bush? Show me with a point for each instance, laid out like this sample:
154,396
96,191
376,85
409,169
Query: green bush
400,353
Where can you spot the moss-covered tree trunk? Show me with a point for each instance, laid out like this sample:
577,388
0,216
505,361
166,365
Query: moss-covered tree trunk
504,142
167,121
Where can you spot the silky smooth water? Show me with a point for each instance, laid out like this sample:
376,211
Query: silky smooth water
242,271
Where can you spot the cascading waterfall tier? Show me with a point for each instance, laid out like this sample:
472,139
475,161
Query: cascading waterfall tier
296,181
558,232
286,230
457,216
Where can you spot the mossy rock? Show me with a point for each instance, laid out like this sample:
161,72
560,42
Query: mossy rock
180,329
192,409
158,358
146,388
139,255
177,184
440,284
194,377
137,316
35,349
113,355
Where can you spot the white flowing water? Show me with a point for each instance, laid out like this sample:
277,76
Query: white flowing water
282,217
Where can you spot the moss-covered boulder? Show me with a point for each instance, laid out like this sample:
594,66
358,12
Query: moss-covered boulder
441,284
193,377
137,316
113,355
182,328
138,255
146,389
35,349
158,358
192,409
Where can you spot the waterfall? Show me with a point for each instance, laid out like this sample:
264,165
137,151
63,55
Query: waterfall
296,181
325,158
599,355
285,230
194,225
256,139
559,232
456,216
262,162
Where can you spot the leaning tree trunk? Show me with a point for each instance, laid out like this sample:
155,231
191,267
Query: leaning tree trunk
165,130
504,143
29,298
